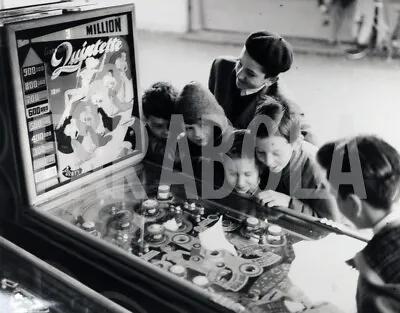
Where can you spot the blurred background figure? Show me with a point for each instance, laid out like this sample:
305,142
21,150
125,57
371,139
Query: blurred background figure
371,27
334,13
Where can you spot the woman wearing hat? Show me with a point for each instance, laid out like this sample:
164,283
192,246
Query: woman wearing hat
237,83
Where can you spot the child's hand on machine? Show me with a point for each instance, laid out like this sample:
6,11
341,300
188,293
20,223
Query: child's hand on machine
273,198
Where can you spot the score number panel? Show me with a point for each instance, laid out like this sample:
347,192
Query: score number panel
40,126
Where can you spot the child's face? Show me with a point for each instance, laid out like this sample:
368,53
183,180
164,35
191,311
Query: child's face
158,126
242,174
274,151
199,133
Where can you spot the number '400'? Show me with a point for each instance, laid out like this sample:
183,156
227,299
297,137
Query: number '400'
38,137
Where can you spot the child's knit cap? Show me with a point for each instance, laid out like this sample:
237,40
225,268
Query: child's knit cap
196,103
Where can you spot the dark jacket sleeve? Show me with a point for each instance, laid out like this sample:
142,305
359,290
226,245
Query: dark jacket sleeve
283,96
299,206
313,198
377,298
212,77
373,294
155,150
325,206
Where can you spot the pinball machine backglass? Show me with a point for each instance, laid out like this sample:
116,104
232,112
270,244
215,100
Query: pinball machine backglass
76,84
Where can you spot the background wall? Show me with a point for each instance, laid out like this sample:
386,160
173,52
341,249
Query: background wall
6,4
289,18
152,15
162,15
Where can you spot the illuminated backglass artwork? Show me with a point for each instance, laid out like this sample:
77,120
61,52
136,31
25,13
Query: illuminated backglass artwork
79,90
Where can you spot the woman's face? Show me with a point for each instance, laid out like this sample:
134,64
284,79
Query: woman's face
249,74
242,174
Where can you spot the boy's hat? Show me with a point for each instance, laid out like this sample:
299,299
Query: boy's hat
196,102
271,51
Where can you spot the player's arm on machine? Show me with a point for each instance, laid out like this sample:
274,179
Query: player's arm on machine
271,198
314,202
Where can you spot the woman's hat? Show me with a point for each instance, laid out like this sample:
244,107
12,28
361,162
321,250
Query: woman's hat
271,51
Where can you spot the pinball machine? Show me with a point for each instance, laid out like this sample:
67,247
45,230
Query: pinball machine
27,284
75,191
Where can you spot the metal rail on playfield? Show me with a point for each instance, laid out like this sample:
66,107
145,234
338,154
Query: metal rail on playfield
324,223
